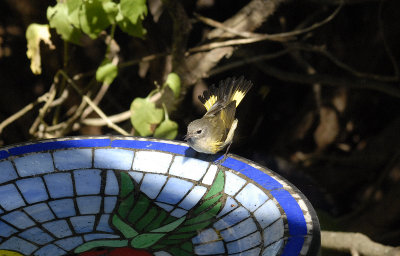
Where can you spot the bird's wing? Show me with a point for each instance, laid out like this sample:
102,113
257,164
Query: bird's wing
230,89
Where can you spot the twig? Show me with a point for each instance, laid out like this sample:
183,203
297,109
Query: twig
325,79
114,118
343,65
245,61
23,111
347,242
262,37
95,108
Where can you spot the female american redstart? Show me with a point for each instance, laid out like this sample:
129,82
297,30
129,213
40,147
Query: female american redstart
215,130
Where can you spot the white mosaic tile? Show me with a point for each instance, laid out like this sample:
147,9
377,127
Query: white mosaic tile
188,168
150,161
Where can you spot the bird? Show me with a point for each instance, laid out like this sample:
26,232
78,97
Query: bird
215,130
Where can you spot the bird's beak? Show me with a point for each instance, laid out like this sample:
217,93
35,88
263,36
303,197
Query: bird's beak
187,137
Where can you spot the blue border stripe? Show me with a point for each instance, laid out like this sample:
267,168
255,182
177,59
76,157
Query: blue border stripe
59,144
258,176
138,144
295,216
293,246
4,154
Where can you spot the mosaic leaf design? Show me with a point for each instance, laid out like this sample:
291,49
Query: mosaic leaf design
144,225
199,218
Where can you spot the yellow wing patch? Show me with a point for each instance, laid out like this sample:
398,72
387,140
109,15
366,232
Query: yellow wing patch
238,95
210,102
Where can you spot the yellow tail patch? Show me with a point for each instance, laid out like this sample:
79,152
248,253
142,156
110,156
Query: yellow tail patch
210,102
238,96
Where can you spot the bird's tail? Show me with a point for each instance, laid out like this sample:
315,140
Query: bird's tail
230,89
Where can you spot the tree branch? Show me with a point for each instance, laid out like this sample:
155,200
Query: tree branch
356,243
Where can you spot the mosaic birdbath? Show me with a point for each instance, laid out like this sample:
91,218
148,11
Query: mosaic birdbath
133,196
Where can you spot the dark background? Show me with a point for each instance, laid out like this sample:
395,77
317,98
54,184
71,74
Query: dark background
336,136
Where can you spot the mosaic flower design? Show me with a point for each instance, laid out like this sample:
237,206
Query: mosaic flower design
144,225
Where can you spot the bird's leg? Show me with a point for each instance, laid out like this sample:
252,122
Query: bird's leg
219,162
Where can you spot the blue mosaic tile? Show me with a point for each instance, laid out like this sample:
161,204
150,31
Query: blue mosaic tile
152,184
32,189
119,159
109,203
233,183
50,249
73,159
178,212
273,249
59,228
166,207
36,235
267,214
35,164
59,185
40,212
149,161
189,168
4,154
23,246
89,204
63,208
91,237
245,243
210,175
7,172
13,199
232,218
210,248
230,205
6,230
70,143
18,219
274,232
293,246
103,224
87,182
174,190
295,217
137,176
70,242
251,252
251,197
205,236
241,229
112,187
137,144
258,176
193,197
83,224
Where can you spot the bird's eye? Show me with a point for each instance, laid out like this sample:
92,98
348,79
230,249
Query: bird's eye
198,131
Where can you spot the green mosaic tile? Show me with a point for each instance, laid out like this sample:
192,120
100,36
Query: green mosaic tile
140,207
218,185
143,222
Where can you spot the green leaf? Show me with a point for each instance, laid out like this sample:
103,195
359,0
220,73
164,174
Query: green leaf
145,117
146,240
128,27
174,82
111,9
93,18
171,226
133,10
58,19
107,72
168,129
35,33
100,243
124,228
